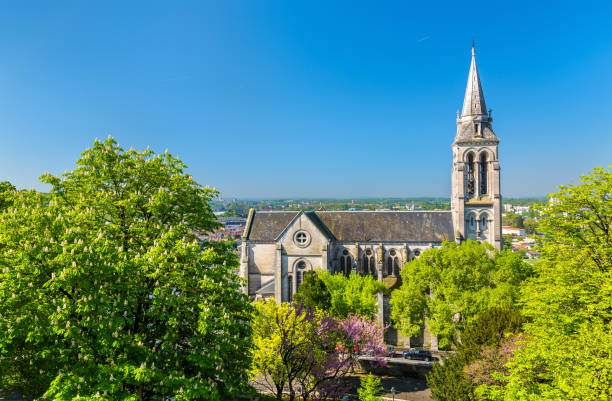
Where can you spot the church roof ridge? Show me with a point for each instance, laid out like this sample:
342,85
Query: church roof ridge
382,211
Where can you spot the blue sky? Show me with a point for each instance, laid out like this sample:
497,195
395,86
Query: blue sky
307,99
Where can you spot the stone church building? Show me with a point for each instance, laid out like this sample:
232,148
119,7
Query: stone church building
279,247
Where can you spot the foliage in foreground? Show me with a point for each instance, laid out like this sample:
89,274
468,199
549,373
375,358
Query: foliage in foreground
105,292
370,388
450,285
568,351
6,190
298,347
490,329
352,295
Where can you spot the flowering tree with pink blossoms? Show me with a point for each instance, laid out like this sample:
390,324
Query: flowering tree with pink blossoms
306,352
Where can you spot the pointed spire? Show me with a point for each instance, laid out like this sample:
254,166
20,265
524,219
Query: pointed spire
474,103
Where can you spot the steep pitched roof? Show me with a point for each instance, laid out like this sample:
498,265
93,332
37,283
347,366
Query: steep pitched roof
266,226
475,122
313,218
360,226
474,102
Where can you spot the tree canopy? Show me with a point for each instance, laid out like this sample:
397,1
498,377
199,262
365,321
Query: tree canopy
6,189
305,348
568,351
451,284
352,295
313,292
106,291
449,381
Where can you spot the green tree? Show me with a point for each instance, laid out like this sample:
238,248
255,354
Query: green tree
6,191
507,240
531,225
305,348
448,381
370,388
106,293
452,284
352,295
568,351
313,293
513,220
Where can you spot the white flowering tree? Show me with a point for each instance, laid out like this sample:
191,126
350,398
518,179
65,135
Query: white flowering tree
106,293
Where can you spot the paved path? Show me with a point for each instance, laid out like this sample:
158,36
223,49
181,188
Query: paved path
407,389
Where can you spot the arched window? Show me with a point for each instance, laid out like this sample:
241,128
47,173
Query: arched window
290,288
299,273
349,266
483,173
368,263
346,262
483,222
373,267
390,258
393,263
469,175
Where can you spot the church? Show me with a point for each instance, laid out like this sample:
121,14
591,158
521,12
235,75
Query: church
279,247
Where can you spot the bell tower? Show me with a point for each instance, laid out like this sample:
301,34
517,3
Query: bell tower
476,197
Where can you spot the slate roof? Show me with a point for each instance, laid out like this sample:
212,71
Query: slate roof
360,226
474,111
266,226
474,102
467,133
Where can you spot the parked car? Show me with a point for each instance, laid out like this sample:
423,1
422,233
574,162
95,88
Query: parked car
390,351
419,354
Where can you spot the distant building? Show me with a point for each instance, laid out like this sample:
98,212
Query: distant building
232,229
508,208
513,231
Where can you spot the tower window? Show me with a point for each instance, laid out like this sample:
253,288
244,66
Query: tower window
469,176
483,173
